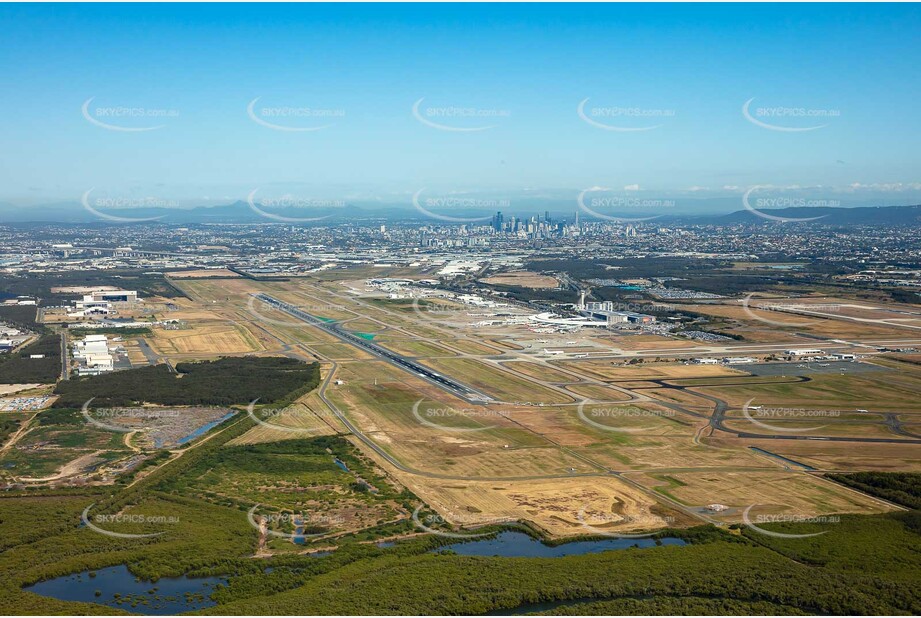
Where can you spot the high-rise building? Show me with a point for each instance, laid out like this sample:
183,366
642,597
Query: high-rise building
497,222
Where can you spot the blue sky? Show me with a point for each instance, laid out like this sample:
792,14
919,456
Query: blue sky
523,69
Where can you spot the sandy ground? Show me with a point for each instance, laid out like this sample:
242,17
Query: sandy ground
204,273
9,389
524,279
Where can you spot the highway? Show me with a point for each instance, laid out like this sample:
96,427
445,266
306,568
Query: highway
448,384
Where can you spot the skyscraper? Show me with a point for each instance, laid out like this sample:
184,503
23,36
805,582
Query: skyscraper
498,221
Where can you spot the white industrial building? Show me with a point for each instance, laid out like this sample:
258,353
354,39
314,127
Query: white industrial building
115,296
11,338
607,312
92,353
100,302
608,317
804,352
556,320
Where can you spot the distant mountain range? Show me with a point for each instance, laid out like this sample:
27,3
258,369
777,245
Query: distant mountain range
241,212
237,212
861,215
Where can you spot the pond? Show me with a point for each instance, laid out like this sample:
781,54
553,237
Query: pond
520,545
166,596
204,429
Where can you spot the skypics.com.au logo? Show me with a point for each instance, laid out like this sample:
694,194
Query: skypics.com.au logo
458,119
600,524
792,308
617,418
785,119
603,203
437,207
756,205
290,419
126,119
446,418
293,119
314,309
434,309
318,208
427,523
762,519
303,526
135,417
123,204
622,119
95,523
760,415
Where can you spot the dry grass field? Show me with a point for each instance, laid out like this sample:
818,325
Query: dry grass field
340,351
493,381
203,273
773,492
476,348
412,347
781,326
523,279
677,450
542,373
837,307
560,507
444,436
363,325
646,342
834,456
546,464
631,436
877,392
303,419
812,427
617,371
205,292
205,338
9,389
597,392
686,398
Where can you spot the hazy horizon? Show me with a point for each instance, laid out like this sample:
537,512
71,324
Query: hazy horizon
187,107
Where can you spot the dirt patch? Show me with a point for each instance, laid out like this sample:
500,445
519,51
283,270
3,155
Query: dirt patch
523,279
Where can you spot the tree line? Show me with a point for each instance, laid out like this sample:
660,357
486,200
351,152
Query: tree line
226,381
19,368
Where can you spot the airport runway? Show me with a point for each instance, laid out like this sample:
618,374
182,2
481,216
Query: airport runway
448,384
